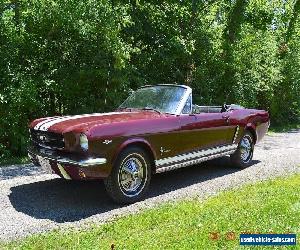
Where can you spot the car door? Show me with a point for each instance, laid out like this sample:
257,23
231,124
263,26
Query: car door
205,130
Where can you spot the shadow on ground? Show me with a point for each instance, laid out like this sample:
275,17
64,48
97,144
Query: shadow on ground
67,201
9,172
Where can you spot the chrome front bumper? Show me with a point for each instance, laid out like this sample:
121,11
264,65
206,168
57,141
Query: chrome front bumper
90,162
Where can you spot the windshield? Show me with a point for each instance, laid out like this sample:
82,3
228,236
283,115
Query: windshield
164,99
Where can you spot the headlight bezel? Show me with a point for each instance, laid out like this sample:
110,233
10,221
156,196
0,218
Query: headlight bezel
83,142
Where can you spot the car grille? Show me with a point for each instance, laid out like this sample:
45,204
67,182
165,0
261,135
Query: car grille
47,139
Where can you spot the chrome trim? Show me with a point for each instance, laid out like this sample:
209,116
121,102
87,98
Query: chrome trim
236,134
83,163
63,160
196,154
44,146
246,149
132,176
63,172
183,100
192,162
191,103
165,84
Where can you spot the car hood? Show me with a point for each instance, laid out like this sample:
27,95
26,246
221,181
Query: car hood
82,123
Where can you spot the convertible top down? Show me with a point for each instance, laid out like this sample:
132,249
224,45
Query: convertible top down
156,129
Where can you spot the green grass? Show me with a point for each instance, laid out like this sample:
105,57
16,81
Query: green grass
271,206
14,160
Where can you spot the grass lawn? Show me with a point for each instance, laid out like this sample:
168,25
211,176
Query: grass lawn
215,223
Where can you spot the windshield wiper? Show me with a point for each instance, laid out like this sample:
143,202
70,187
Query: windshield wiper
147,108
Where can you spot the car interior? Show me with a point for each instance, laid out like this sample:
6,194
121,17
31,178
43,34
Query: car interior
196,109
190,108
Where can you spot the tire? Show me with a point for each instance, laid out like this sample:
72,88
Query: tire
242,157
130,177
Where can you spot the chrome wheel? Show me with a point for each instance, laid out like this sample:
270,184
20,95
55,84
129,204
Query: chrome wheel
132,175
246,148
242,157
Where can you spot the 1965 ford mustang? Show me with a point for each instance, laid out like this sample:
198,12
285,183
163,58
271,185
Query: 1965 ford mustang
156,129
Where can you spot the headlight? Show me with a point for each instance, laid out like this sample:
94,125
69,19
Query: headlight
84,142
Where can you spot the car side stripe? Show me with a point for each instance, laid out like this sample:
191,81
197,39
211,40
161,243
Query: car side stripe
195,154
192,162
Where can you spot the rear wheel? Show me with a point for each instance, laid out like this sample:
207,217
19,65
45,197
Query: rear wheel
243,155
130,177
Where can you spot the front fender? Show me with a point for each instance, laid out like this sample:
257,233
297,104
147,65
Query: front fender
134,141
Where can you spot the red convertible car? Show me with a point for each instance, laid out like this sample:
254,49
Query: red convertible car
156,129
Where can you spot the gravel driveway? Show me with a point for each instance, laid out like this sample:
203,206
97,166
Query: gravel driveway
31,201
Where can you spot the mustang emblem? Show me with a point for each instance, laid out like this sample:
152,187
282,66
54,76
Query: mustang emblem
43,138
107,141
162,150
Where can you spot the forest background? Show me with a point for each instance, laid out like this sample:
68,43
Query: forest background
83,56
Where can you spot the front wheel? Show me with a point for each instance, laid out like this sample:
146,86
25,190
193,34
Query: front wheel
242,157
130,177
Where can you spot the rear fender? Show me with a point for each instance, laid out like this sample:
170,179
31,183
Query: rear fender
252,129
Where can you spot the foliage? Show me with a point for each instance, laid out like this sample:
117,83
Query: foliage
4,162
71,57
267,207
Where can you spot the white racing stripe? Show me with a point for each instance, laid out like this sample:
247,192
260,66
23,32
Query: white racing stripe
46,124
37,126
